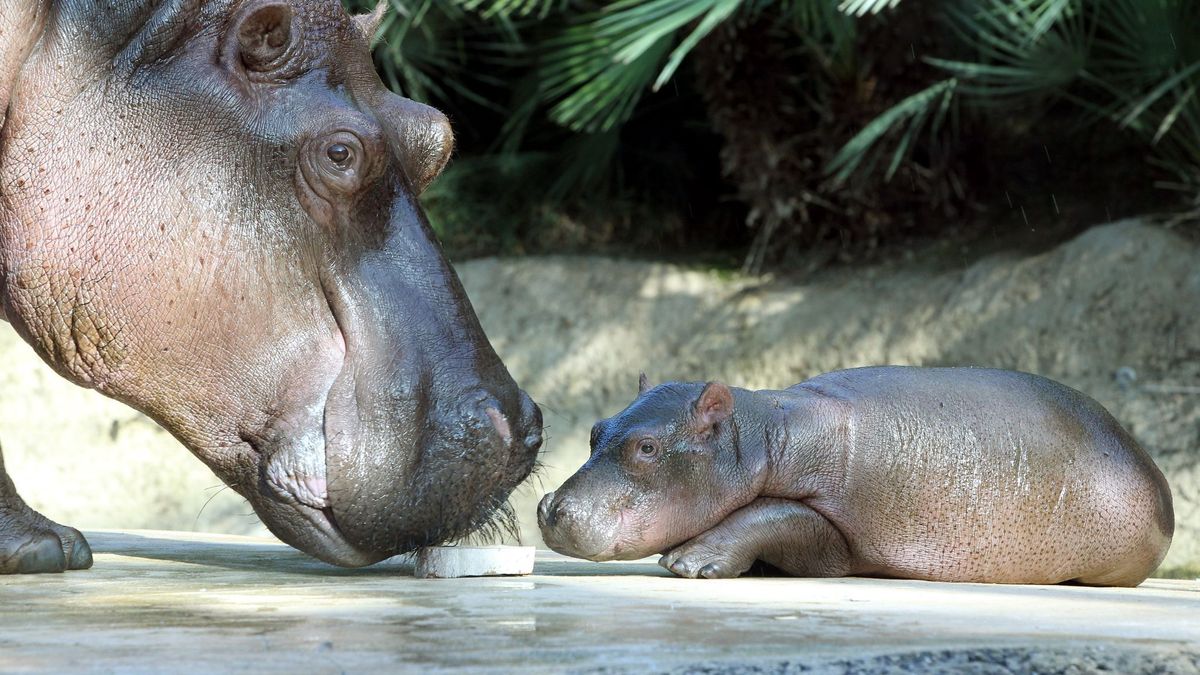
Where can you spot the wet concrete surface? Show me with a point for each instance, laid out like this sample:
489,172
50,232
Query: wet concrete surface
170,602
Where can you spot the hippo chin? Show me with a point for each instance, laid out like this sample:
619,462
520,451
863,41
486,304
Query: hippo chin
209,212
944,474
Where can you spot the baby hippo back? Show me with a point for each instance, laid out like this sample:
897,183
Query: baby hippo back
973,474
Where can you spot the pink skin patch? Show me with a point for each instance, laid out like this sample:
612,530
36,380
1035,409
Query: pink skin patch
307,489
622,546
500,422
317,488
339,340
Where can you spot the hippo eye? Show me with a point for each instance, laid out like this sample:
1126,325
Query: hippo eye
339,154
647,450
337,165
341,161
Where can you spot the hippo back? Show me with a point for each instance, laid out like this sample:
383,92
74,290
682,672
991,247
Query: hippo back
966,474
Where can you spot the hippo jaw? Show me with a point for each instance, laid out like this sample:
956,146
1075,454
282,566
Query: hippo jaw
351,482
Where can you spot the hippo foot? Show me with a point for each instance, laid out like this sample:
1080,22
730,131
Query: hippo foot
704,558
31,543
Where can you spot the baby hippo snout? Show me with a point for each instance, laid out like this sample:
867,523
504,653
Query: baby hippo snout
568,527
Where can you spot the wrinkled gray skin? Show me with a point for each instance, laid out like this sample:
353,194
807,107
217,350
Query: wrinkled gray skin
208,211
944,474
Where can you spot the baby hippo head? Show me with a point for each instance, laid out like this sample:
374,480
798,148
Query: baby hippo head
661,471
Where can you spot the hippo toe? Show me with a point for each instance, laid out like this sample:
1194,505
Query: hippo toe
32,551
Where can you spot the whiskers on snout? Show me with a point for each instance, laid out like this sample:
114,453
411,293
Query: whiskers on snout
498,520
501,524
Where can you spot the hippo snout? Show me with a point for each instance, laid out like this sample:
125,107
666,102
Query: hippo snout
568,528
515,431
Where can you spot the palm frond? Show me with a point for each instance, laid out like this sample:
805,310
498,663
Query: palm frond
864,7
860,153
506,8
1026,48
431,50
1145,75
598,69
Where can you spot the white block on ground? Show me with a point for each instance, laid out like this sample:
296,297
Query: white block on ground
448,562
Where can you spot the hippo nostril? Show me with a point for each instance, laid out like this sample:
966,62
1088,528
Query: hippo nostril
533,441
531,422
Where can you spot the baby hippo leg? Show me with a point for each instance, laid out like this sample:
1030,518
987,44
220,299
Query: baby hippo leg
779,532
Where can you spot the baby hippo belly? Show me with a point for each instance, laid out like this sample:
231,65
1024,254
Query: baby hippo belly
970,474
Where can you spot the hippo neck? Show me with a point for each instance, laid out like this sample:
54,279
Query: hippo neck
22,23
752,421
804,440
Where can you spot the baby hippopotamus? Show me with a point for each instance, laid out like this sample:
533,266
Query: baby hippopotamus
944,474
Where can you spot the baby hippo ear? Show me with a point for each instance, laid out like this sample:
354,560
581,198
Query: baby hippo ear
643,383
714,406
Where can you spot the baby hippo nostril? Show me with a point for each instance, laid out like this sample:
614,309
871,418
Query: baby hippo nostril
500,422
546,511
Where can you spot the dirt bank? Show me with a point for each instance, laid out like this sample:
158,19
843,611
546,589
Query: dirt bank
576,330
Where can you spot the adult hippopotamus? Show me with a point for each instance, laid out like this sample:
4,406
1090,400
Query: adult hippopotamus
944,474
208,211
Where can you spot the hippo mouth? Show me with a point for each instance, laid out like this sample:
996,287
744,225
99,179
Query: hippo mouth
338,489
292,500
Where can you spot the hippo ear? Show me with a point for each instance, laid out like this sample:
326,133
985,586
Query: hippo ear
368,24
714,406
423,135
264,35
643,383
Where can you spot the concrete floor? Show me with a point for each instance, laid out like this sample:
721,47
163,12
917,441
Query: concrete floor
167,601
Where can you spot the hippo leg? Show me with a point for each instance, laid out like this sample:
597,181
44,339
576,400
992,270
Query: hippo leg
780,532
30,542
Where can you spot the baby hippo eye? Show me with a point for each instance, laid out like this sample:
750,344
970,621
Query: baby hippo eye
643,454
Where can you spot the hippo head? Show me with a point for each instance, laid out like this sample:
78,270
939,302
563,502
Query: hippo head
668,467
209,212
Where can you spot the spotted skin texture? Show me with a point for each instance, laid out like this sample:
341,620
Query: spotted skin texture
208,210
943,474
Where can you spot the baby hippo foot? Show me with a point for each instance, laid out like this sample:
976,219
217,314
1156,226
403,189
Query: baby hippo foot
708,557
31,543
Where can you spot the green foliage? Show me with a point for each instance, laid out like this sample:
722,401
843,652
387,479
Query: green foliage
928,106
594,107
594,72
1131,63
522,8
864,7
